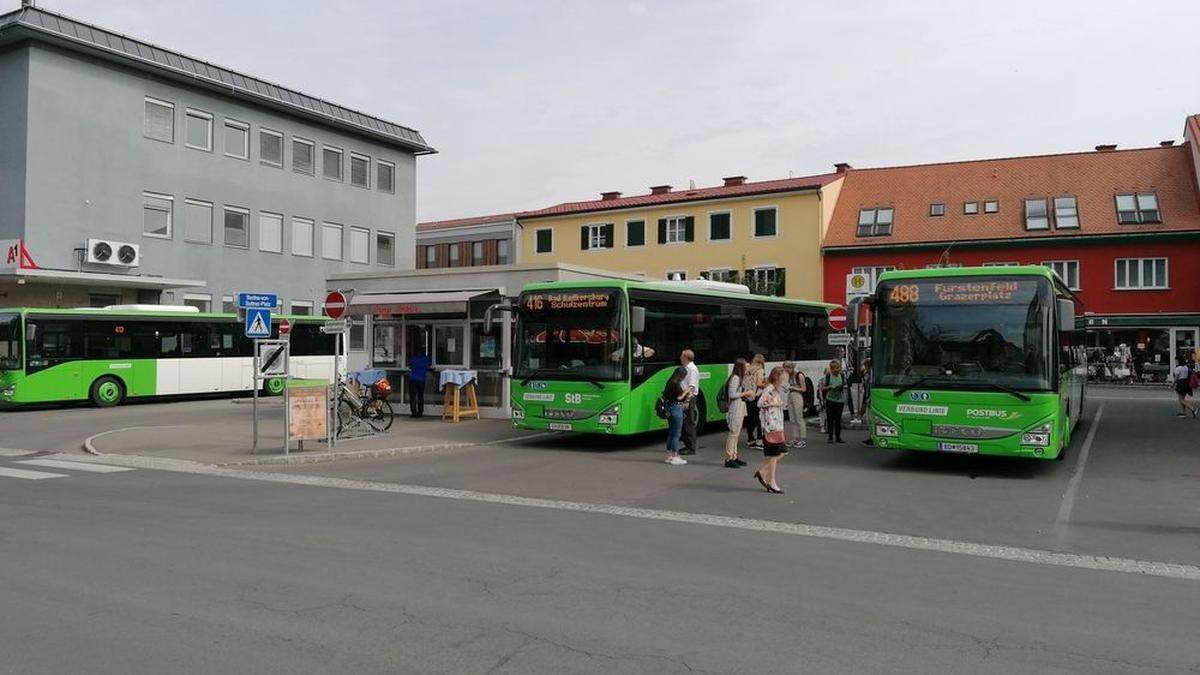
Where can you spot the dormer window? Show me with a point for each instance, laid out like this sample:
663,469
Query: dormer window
991,206
875,222
1138,208
936,210
970,208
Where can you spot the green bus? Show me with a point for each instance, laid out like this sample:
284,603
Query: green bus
982,360
594,356
111,354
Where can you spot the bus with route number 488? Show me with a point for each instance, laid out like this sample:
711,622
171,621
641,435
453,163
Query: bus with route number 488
983,360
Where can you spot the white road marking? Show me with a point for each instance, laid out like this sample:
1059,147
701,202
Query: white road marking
28,475
1059,531
14,452
1010,553
75,466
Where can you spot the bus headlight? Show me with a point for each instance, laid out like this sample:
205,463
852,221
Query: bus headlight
887,430
8,392
610,416
1039,436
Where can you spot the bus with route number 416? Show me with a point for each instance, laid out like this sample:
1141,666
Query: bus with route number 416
983,360
108,355
594,356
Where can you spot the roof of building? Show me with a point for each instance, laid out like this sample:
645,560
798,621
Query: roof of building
465,222
1094,178
34,22
692,195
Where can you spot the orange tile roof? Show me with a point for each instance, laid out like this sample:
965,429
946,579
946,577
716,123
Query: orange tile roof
464,222
1092,177
676,196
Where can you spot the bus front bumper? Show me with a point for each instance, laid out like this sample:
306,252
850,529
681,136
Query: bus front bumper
1038,442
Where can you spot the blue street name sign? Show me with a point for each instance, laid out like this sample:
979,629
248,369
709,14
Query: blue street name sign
258,323
258,300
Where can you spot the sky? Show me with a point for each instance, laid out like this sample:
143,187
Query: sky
531,103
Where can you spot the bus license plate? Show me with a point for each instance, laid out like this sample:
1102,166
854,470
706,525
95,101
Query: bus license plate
560,426
959,447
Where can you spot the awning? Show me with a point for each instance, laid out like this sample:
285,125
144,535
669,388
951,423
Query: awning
417,302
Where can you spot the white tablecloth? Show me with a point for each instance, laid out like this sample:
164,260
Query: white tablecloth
459,377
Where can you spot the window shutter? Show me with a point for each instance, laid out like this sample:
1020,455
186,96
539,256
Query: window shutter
421,257
608,236
489,252
662,230
689,228
443,255
583,238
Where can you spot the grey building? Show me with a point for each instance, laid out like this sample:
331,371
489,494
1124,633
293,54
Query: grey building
132,173
467,242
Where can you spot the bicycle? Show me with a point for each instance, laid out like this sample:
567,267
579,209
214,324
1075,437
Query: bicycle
369,408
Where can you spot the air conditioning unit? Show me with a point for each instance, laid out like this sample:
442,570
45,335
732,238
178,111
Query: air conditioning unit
118,253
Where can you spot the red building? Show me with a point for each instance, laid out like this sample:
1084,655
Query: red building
1122,228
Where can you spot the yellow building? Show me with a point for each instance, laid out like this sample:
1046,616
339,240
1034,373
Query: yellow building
765,234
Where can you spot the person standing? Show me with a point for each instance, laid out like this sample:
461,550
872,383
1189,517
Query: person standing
833,386
673,398
418,371
753,384
853,386
1182,376
866,399
691,391
798,438
770,409
736,414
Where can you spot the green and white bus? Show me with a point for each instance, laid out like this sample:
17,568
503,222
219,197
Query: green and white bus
594,356
111,354
983,360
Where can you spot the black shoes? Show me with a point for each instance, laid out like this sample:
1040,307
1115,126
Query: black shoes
732,464
761,481
774,491
687,451
739,462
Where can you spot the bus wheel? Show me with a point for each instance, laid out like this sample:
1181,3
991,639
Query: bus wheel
107,391
700,410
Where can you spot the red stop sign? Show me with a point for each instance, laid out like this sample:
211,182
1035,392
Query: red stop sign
285,327
837,318
335,304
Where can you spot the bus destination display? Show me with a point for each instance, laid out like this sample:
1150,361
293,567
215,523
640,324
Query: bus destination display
958,293
567,301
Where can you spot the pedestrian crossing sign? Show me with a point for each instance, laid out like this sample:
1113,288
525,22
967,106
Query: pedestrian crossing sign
258,323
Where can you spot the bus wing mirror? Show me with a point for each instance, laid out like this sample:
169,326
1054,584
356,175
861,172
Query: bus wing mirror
489,314
637,319
1066,315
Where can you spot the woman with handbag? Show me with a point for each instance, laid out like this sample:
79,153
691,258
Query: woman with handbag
736,414
752,384
771,403
672,399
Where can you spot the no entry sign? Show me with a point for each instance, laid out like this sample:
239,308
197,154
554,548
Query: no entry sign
335,305
837,319
285,327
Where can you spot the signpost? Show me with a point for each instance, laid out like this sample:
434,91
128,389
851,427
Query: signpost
335,304
335,307
258,300
258,323
270,356
858,285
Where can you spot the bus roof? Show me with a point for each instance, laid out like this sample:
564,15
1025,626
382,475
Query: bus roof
943,272
101,312
681,287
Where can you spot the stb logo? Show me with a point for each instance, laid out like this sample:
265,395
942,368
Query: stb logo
537,385
918,396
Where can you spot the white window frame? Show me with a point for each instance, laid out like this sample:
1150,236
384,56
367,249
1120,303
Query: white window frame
313,153
669,273
1054,209
993,211
230,123
366,248
224,231
1003,264
454,254
1047,205
170,215
204,204
725,272
350,165
307,304
388,235
596,237
263,131
874,225
165,104
1137,205
192,113
1140,264
262,240
1066,265
341,177
341,229
941,206
508,249
380,163
231,302
199,297
754,219
970,208
312,236
431,251
728,239
482,258
765,271
677,226
535,241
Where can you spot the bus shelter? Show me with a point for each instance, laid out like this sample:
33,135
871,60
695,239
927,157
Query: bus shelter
441,313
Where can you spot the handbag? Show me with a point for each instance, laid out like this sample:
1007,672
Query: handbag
660,407
723,395
775,438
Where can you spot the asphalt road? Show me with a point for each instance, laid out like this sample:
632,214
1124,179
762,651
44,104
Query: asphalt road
151,571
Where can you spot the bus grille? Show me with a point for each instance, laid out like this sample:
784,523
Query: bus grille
971,432
562,414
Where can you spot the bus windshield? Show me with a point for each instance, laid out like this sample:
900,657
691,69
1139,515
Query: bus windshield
964,333
10,342
571,334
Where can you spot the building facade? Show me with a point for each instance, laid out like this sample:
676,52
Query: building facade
764,234
201,181
1121,227
467,242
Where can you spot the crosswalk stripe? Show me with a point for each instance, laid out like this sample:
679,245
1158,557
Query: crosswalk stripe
28,475
75,466
14,452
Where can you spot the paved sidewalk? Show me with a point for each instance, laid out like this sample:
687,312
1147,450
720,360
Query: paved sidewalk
227,440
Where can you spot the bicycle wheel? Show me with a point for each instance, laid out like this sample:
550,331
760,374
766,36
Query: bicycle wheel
345,414
380,417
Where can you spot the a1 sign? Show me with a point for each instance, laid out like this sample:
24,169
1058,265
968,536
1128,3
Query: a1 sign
285,327
335,304
837,318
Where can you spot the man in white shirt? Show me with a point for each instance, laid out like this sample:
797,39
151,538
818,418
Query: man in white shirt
691,388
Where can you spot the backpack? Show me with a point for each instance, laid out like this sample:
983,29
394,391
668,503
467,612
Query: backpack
723,395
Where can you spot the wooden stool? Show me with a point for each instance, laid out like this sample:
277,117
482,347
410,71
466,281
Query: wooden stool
452,407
